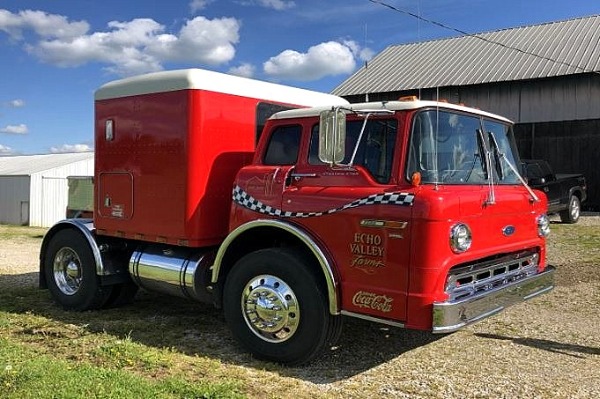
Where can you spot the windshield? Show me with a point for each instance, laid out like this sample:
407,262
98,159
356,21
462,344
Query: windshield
451,148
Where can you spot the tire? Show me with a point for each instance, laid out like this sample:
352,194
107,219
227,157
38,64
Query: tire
573,211
276,309
335,331
70,270
122,295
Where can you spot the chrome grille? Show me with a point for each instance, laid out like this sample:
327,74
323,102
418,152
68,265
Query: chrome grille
475,278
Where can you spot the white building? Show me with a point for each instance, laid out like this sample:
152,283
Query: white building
33,188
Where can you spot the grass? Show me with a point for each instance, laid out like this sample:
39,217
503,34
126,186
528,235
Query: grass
119,353
21,232
24,373
576,241
577,236
45,358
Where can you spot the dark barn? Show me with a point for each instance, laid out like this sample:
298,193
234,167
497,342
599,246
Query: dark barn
546,78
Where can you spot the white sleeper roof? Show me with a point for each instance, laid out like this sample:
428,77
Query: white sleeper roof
201,79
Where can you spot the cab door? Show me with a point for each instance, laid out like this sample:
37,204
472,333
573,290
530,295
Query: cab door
361,215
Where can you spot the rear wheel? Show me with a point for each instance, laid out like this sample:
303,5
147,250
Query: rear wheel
572,213
276,308
70,270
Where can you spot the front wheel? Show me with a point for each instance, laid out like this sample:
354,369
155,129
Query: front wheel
70,271
571,214
276,309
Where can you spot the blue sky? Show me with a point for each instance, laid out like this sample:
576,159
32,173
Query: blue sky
55,54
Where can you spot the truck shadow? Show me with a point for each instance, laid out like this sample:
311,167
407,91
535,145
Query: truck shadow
200,330
24,280
577,351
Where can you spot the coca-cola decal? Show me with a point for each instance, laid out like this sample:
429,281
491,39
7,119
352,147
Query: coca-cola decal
370,300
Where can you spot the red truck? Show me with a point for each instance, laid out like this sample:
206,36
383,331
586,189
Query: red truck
408,213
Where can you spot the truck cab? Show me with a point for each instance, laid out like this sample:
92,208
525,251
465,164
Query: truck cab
413,212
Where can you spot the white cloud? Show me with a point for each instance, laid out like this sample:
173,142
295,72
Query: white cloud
15,129
197,5
44,24
277,4
325,59
200,39
5,150
363,54
245,70
130,47
71,148
16,103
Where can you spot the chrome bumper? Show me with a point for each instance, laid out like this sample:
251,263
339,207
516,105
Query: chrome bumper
453,315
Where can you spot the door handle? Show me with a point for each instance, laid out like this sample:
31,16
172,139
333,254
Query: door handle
298,176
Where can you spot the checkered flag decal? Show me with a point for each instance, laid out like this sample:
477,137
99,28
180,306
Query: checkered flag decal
246,200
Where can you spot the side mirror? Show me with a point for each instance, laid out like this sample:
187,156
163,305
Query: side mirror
332,136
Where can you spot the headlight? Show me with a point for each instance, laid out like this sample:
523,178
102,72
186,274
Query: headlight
543,225
460,238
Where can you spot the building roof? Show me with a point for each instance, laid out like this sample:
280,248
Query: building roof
29,164
563,48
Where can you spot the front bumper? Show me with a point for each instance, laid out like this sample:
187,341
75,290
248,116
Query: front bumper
452,315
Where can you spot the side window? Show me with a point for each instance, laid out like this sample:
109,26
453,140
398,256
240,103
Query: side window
375,150
534,171
264,112
283,146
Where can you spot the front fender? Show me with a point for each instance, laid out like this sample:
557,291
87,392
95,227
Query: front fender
305,238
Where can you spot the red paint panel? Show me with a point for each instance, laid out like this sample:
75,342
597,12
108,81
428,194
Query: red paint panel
182,150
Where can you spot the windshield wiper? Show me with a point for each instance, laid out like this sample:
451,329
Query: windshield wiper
480,155
502,156
491,199
497,156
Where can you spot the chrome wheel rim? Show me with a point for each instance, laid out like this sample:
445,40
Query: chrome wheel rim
67,271
575,210
270,308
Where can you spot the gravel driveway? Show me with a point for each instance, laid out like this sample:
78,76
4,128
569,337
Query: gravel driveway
548,347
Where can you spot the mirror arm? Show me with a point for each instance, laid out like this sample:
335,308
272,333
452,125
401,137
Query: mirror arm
362,131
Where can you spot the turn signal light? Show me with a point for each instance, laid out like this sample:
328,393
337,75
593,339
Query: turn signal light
415,179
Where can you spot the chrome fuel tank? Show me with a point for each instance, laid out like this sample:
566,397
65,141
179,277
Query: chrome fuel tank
177,271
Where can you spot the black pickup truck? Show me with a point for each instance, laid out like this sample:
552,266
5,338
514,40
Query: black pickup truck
565,192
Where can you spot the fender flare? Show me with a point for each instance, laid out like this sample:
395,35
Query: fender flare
578,191
323,260
86,228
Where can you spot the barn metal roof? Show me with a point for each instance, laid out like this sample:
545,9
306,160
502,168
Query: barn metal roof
563,48
26,165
